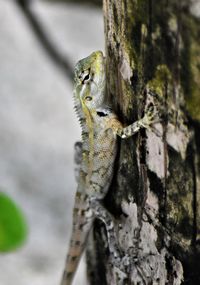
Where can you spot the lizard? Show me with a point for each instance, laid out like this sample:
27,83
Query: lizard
100,128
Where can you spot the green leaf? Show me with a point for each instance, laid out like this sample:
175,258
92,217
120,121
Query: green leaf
13,227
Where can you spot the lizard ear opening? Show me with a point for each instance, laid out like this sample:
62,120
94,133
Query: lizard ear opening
101,114
88,98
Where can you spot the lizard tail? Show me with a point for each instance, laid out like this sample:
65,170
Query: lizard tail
82,223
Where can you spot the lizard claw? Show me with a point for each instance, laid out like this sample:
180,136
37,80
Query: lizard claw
150,117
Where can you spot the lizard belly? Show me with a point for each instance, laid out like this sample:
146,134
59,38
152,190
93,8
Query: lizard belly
100,168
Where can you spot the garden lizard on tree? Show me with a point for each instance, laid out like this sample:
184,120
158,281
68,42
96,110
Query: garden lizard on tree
100,128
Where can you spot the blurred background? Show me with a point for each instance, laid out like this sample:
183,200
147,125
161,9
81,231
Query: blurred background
40,41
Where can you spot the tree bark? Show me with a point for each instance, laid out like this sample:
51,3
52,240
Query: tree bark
152,48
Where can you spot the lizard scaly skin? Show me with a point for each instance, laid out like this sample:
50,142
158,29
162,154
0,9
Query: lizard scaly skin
100,127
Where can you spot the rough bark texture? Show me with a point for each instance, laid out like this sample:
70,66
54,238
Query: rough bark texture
152,46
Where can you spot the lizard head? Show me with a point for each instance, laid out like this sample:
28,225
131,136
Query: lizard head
89,82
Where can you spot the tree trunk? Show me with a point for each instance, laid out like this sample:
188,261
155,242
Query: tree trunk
153,55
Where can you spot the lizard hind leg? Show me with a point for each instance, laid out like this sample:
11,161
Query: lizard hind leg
100,212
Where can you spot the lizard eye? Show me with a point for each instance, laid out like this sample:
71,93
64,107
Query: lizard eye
85,76
88,98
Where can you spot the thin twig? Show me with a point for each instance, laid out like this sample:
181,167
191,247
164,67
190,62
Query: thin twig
60,60
97,3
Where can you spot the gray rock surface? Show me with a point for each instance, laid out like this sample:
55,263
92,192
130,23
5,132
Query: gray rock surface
38,128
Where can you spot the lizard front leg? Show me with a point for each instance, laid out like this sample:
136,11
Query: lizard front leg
149,118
